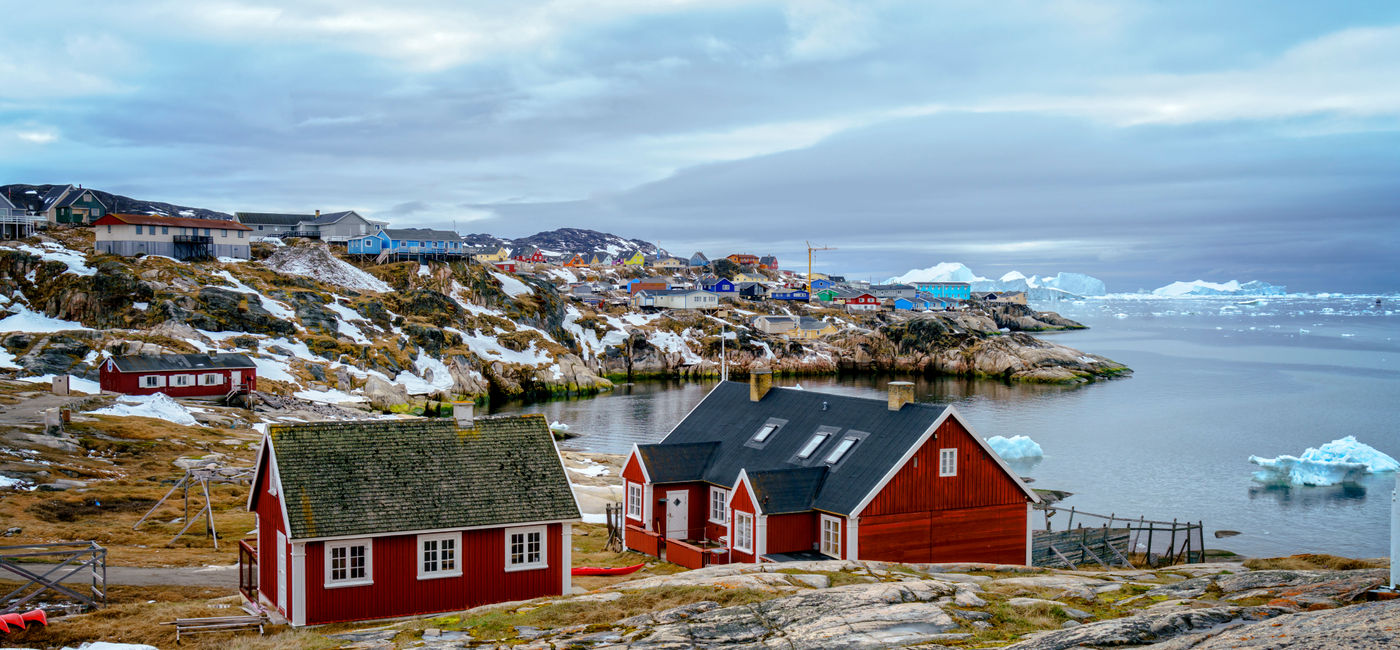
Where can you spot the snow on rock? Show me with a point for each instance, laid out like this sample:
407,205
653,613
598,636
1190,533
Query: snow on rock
277,309
330,396
344,325
54,252
159,406
423,270
317,263
490,349
7,360
16,483
74,383
512,286
1340,461
24,320
432,376
1015,447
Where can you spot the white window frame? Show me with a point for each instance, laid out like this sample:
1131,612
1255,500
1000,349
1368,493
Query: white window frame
760,436
719,513
635,501
840,450
347,581
813,444
437,541
543,562
152,381
181,380
948,461
833,549
743,531
205,379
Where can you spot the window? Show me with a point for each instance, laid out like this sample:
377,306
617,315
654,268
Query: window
206,231
840,450
151,381
811,446
223,232
165,230
947,462
109,228
181,380
138,230
349,563
525,548
211,379
240,234
743,532
260,227
831,536
717,510
634,501
437,555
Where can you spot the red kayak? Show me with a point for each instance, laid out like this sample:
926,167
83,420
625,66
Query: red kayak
606,571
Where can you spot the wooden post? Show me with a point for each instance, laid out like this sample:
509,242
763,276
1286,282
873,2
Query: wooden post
1137,533
1070,524
1150,528
1171,548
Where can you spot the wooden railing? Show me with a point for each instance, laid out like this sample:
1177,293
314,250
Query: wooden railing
60,562
643,541
248,569
686,555
1116,541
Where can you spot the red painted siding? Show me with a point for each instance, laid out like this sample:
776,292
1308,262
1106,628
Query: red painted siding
792,532
129,383
917,487
987,534
397,591
632,470
269,512
697,507
742,502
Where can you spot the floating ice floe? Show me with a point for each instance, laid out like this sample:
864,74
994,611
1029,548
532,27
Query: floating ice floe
1015,447
1340,461
158,405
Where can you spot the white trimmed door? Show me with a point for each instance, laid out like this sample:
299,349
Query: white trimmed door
677,514
281,572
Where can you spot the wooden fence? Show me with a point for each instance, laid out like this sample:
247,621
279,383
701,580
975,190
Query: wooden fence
1116,541
57,562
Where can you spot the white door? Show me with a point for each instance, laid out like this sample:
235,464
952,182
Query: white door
678,514
281,572
237,378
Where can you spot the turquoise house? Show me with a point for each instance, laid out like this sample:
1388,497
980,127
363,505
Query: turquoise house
954,290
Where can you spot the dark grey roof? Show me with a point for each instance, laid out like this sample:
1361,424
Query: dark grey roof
75,195
54,195
147,363
331,217
272,218
809,323
427,234
385,476
891,287
728,419
783,491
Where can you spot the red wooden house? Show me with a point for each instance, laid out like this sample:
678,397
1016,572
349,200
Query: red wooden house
858,301
506,265
758,474
531,255
382,519
179,375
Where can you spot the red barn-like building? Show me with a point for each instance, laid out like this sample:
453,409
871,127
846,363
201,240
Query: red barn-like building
775,474
382,519
179,375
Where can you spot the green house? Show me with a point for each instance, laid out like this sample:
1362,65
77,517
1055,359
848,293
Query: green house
68,204
827,295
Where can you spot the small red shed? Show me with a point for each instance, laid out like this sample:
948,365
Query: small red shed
388,518
776,474
179,375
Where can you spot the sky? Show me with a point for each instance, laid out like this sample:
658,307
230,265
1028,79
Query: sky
1138,142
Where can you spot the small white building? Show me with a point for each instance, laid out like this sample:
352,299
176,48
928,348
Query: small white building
181,238
675,299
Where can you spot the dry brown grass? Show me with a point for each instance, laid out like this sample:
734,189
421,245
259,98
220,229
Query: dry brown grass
1314,562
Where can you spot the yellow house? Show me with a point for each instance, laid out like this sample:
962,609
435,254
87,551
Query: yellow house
500,255
637,259
748,277
810,328
670,264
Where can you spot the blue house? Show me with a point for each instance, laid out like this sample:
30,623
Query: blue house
408,241
716,285
822,283
699,259
954,290
790,294
910,304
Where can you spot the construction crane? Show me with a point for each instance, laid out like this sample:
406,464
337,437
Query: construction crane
809,266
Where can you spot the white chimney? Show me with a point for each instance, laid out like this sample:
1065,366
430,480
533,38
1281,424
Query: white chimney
463,412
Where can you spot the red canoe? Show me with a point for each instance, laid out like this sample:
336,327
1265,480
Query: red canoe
606,571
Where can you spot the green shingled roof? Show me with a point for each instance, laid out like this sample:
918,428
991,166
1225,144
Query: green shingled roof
384,476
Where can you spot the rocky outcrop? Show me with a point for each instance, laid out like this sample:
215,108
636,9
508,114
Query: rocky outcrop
1144,629
1368,626
383,394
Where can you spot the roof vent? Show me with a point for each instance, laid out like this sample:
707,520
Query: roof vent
901,393
824,405
464,413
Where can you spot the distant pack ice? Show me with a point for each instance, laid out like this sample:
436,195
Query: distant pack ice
1078,284
1231,288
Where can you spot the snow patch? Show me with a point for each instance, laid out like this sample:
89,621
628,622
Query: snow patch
1340,461
330,396
52,252
158,405
277,309
317,263
432,376
74,383
512,286
25,320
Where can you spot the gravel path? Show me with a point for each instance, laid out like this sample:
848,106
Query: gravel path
213,576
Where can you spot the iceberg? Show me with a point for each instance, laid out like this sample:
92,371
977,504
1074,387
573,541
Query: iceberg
1340,461
1037,287
1015,447
1180,289
1076,283
940,272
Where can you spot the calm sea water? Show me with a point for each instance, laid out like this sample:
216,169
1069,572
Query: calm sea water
1215,381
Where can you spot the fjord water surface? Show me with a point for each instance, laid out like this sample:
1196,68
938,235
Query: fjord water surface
1214,381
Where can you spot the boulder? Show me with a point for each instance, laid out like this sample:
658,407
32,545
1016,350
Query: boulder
384,394
1370,625
1143,628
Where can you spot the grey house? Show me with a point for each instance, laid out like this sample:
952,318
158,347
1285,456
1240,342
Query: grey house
339,227
892,291
271,224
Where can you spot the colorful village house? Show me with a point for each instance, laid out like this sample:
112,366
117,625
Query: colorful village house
698,260
954,290
790,294
828,294
530,255
859,301
716,285
577,261
179,375
637,259
382,519
769,262
756,473
182,238
744,259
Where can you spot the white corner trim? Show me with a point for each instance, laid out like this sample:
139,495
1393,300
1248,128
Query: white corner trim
298,580
566,559
853,539
1030,512
743,479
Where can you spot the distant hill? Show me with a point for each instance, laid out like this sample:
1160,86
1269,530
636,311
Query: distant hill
31,197
567,242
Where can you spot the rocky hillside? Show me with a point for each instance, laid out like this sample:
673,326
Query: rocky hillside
567,242
29,195
324,329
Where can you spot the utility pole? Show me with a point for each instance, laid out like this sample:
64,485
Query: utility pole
723,369
809,266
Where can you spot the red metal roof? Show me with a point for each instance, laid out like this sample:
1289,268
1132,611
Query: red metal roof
156,220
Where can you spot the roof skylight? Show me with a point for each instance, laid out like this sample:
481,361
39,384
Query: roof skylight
812,445
764,432
840,450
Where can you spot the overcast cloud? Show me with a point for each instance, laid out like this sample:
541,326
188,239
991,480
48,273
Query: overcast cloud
1141,142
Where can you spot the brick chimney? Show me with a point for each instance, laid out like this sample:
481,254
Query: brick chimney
760,381
901,393
464,413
